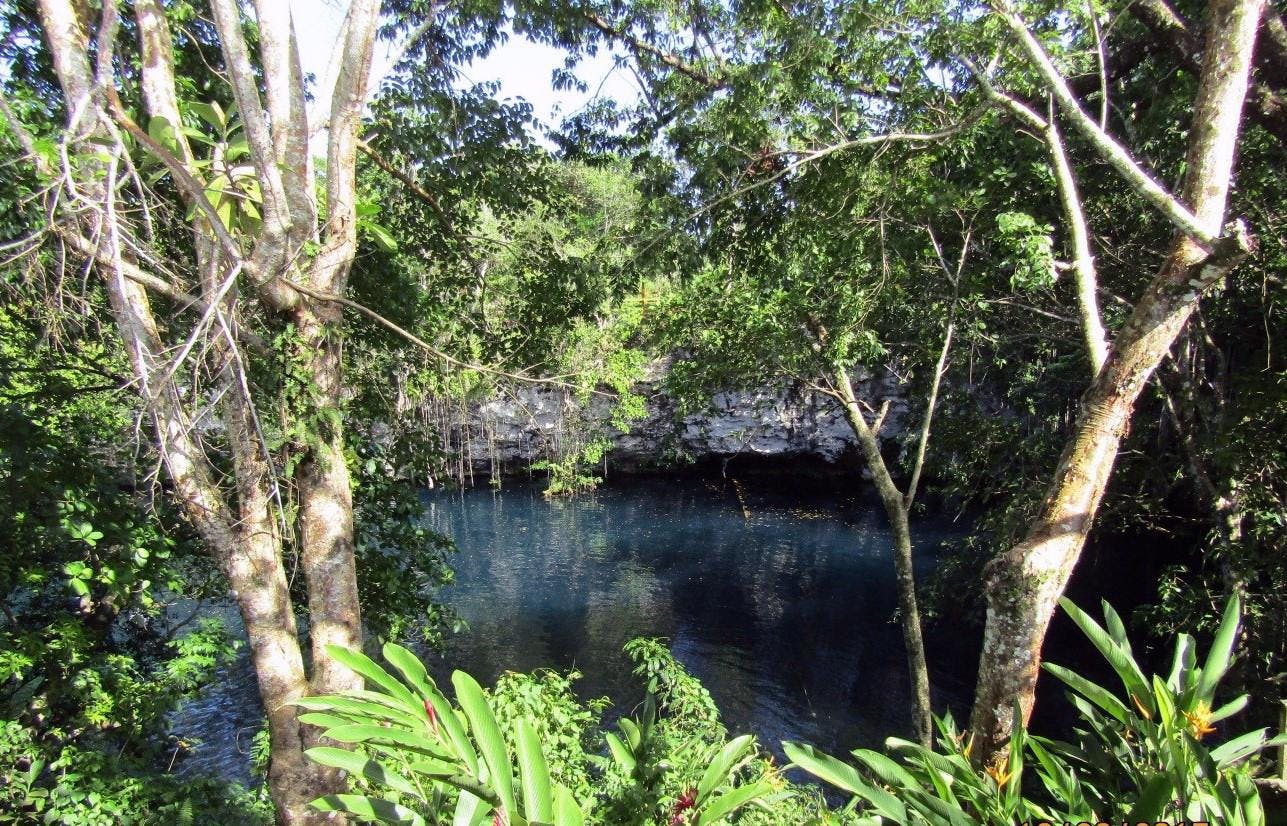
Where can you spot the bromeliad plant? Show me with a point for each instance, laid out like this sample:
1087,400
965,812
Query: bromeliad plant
1142,756
419,759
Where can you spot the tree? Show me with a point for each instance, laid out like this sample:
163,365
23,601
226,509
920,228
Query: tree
260,259
1026,582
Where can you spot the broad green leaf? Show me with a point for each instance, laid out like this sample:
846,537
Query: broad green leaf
491,745
361,710
361,664
368,808
1122,662
889,772
212,113
1221,653
534,774
1236,749
620,753
359,765
1183,647
1153,800
725,804
161,130
382,237
1230,708
412,670
469,811
567,812
1094,692
717,772
362,733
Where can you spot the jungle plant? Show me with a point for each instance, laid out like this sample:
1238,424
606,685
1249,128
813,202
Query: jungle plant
418,758
1142,755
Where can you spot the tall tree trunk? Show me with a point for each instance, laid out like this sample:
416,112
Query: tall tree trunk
896,508
1024,584
325,490
239,526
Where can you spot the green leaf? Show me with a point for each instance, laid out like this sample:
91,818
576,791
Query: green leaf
1236,749
362,664
1221,653
490,742
363,733
1153,800
1123,663
538,802
412,670
825,767
212,113
620,753
161,130
717,772
360,765
1097,694
369,808
567,812
382,237
889,772
360,710
729,802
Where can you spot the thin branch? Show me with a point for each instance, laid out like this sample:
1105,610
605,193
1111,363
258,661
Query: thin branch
410,182
806,158
134,273
1084,271
1139,179
673,61
429,348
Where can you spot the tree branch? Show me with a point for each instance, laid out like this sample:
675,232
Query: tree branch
1139,179
666,58
322,295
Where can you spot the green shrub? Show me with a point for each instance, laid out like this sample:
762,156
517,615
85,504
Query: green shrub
523,754
1141,756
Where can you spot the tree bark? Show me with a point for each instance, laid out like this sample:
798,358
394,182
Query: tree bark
1024,584
325,490
904,574
239,526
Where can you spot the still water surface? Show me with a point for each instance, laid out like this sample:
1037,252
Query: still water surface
786,613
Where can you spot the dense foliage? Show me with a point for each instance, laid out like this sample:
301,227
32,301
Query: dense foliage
802,192
529,752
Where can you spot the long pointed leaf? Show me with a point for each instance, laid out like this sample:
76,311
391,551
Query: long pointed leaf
368,808
488,735
717,772
534,774
359,765
1221,653
360,663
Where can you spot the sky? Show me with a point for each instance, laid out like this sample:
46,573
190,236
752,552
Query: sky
523,68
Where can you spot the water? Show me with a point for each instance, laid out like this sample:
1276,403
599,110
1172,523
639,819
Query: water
786,615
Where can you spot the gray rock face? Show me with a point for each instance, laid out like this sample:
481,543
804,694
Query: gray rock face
785,420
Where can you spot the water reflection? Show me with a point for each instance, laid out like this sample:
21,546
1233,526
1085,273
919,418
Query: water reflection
786,616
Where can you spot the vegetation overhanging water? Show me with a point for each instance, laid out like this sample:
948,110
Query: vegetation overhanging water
785,614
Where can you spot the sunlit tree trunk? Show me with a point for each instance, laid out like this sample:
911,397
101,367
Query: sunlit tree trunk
1024,584
242,526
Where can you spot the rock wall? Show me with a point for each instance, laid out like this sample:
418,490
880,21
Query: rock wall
787,420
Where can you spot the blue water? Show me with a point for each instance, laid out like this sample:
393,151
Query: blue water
787,616
785,611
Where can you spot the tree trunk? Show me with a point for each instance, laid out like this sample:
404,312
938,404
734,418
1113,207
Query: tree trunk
245,540
326,508
904,575
1024,584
